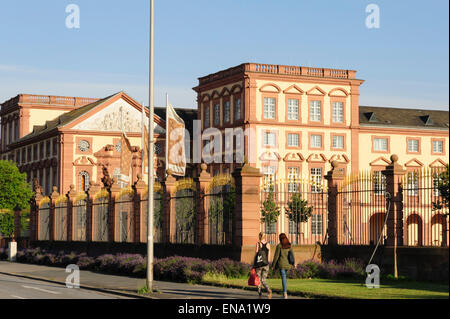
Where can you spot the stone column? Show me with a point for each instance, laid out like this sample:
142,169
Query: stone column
169,209
202,203
113,230
333,178
139,189
54,196
394,173
94,188
247,213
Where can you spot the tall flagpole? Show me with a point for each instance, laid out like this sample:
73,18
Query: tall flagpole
143,140
150,159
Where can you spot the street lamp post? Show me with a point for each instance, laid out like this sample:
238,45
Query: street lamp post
151,178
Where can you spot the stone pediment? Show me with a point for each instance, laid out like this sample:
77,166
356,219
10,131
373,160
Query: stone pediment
380,161
318,158
293,157
83,161
270,156
438,164
340,158
115,116
414,163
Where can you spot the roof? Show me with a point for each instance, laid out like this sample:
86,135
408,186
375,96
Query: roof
62,120
188,115
390,116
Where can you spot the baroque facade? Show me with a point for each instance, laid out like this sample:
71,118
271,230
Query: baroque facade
304,118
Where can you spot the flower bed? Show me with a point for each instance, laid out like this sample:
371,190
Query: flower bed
180,269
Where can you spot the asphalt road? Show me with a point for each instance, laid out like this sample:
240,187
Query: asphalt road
12,287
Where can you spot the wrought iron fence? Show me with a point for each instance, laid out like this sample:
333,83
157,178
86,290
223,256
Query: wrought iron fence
361,209
185,216
100,216
124,214
158,217
44,220
220,214
424,222
296,207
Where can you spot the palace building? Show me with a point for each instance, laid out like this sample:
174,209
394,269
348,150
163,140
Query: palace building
305,118
68,140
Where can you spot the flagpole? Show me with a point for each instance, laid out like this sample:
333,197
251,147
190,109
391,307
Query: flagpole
150,157
167,133
143,140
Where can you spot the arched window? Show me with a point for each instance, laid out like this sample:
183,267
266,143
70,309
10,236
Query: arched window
84,181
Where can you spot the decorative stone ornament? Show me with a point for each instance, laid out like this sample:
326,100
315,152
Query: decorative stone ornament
83,145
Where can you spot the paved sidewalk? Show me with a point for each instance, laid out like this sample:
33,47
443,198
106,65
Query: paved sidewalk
128,285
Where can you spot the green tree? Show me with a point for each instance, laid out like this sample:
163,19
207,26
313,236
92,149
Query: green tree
442,186
6,223
298,210
14,189
270,210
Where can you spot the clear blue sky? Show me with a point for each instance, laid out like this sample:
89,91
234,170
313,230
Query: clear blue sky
404,63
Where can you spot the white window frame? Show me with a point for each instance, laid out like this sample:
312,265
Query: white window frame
226,112
316,174
338,112
315,112
437,149
379,147
293,137
337,138
270,139
413,145
269,108
237,109
313,140
293,109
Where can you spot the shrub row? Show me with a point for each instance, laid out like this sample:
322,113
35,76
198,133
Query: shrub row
181,269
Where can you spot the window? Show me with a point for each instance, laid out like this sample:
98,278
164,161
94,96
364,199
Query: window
293,140
380,144
47,149
316,179
237,109
226,112
269,176
217,115
338,141
413,184
413,146
315,111
379,183
293,174
438,147
206,114
436,180
269,139
292,109
84,181
316,224
269,108
316,141
23,155
338,112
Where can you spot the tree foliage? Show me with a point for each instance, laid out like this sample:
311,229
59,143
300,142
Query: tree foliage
14,189
6,224
270,210
298,210
443,188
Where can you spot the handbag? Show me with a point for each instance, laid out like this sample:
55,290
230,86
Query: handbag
291,258
253,280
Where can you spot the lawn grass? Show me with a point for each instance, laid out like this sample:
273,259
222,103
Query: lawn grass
355,289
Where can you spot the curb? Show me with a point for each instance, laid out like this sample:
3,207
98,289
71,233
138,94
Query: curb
104,290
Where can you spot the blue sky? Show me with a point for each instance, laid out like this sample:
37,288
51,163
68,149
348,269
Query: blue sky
404,63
